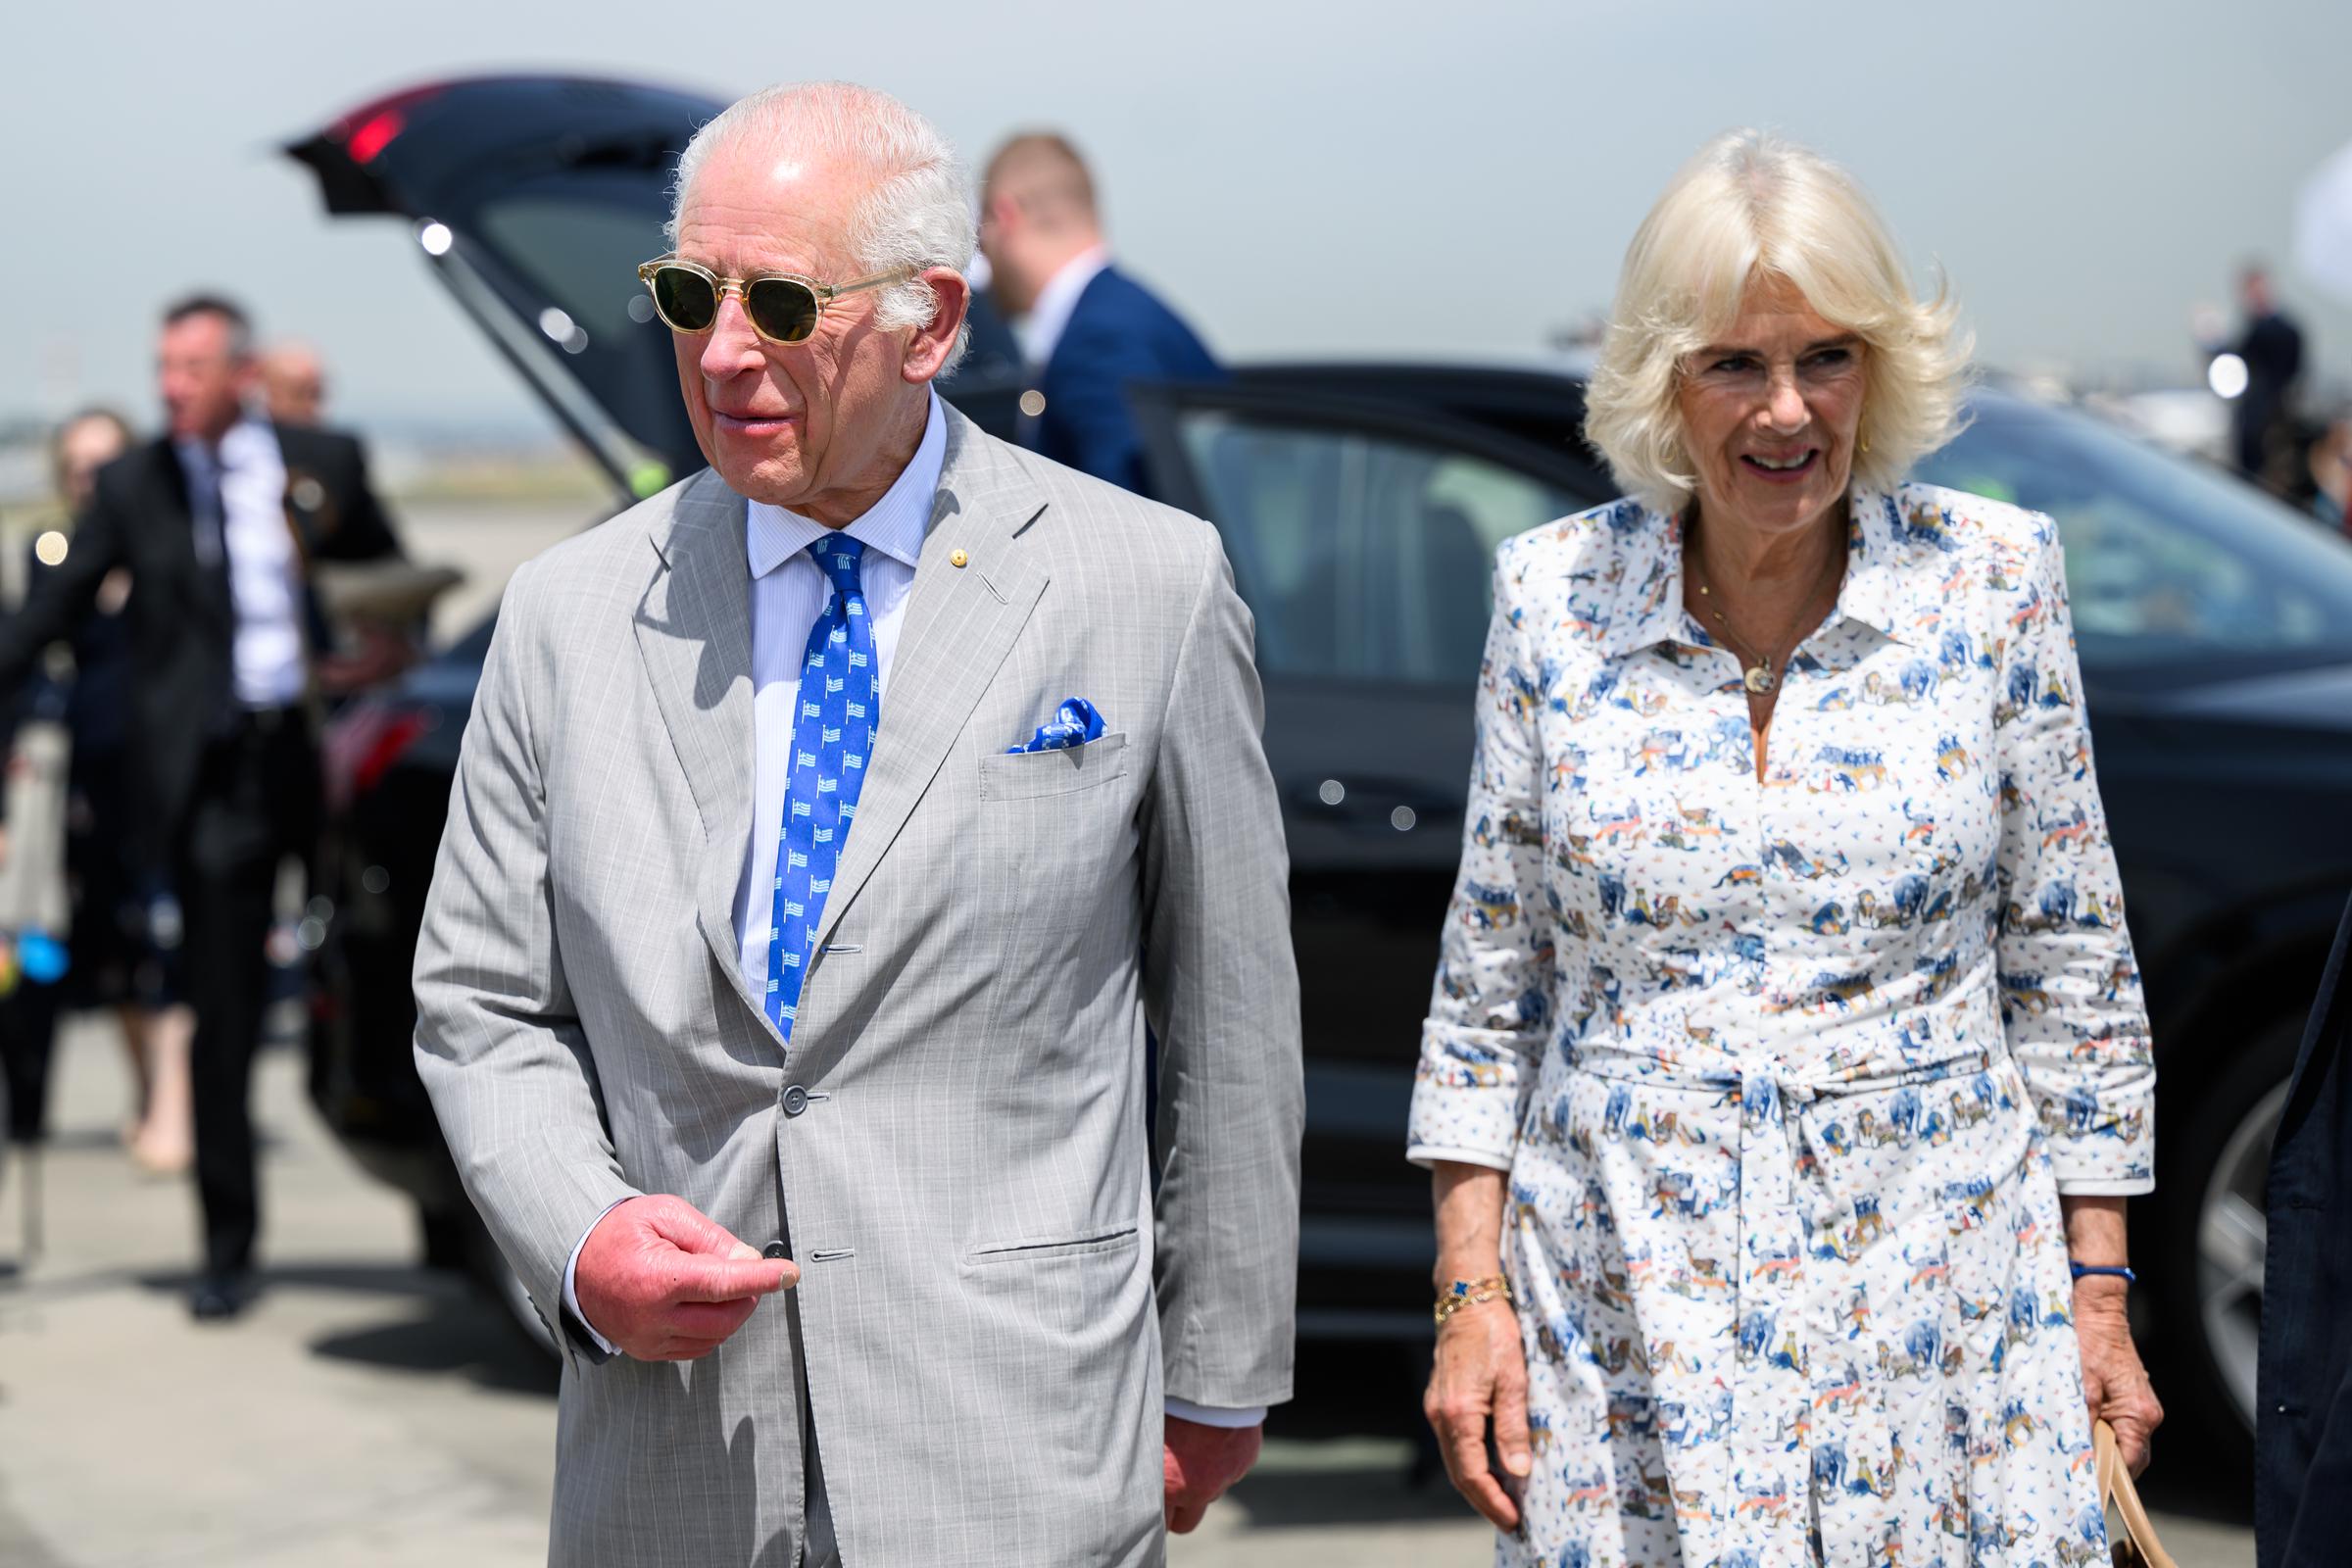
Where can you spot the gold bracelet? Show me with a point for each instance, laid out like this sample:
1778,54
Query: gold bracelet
1471,1292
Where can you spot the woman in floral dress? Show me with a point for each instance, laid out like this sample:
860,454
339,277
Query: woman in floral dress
1786,1055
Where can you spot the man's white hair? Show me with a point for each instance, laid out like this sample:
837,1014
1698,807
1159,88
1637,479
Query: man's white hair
1751,206
919,213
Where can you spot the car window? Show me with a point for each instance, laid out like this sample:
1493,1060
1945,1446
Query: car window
577,252
2170,564
566,250
1364,557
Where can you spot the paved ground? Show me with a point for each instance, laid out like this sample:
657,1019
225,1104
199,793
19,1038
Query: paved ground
373,1414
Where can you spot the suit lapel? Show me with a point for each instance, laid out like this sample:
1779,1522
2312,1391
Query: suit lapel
694,631
961,622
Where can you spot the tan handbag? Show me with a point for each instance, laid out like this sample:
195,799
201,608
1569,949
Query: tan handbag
2138,1548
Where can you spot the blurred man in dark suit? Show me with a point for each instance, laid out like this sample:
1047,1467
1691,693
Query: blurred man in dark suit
2261,425
219,523
1086,329
293,384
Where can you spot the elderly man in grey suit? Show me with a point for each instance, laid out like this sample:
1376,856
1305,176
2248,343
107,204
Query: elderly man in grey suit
829,829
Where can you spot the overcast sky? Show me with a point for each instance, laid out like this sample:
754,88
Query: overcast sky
1372,177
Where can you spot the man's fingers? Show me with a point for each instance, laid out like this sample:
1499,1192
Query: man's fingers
724,1279
1184,1517
688,1229
679,1347
708,1320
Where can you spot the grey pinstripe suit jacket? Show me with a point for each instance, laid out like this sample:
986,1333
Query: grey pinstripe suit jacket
993,1300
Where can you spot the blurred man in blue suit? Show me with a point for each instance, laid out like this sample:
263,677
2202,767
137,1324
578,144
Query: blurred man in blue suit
1087,329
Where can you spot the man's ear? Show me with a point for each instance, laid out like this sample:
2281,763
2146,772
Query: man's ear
928,350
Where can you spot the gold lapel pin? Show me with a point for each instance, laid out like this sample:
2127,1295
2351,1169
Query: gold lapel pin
959,558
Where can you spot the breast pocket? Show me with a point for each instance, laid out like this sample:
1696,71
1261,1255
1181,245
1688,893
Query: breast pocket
1028,775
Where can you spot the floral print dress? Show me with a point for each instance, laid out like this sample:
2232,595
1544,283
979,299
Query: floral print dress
1788,1074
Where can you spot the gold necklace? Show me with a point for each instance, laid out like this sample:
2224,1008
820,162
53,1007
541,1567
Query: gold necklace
1761,676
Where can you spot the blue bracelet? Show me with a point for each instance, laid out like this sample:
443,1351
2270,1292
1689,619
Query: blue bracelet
2080,1270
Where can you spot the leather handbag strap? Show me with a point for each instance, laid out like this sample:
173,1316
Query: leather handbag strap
2116,1491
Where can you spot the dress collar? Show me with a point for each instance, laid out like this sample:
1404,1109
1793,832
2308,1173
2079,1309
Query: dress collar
1886,536
895,524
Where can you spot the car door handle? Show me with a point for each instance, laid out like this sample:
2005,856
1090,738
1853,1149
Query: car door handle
1370,805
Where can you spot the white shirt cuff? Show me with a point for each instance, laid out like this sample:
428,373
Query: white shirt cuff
571,1293
1209,1415
1431,1153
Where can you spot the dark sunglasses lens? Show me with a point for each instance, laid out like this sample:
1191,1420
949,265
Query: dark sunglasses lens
781,309
687,299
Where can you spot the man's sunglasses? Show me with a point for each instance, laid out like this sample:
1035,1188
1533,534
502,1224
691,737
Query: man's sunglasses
783,307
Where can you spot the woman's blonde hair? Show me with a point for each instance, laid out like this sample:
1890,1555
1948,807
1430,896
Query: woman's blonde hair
1753,205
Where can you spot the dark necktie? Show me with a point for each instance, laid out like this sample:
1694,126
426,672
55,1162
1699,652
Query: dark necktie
208,517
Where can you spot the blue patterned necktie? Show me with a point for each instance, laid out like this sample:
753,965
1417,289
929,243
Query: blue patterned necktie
832,736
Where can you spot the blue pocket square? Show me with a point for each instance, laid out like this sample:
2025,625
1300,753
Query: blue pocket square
1074,723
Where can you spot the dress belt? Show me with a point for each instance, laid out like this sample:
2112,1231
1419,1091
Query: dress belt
1776,1390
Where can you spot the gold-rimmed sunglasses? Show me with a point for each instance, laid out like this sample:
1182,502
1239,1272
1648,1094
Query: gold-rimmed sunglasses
783,307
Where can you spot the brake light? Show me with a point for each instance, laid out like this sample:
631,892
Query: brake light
395,738
367,131
363,745
375,135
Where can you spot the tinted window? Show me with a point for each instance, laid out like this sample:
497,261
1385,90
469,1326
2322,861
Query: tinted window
2170,564
566,250
1364,557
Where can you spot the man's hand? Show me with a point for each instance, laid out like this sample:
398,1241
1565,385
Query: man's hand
2114,1383
1480,1376
664,1282
1200,1462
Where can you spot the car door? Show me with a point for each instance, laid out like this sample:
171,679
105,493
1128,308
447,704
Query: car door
1362,535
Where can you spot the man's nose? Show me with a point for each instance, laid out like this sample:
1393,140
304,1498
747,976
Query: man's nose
732,347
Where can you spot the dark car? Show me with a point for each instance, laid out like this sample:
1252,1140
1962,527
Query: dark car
1362,505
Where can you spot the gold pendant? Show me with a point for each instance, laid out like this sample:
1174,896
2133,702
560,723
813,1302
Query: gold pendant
1760,679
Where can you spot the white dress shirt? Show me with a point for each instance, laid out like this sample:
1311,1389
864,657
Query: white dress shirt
1039,331
788,591
265,577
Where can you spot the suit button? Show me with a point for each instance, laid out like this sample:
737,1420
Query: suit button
796,1101
774,1249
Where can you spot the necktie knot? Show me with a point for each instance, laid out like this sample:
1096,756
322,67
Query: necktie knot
839,553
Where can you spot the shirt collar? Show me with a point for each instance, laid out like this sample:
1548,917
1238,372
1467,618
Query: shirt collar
1881,586
895,524
1040,330
243,439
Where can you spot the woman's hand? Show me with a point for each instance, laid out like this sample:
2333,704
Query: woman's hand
1480,1376
2115,1384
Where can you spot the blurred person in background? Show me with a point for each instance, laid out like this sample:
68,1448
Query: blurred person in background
991,352
2261,421
124,935
1086,329
1783,1099
293,384
218,522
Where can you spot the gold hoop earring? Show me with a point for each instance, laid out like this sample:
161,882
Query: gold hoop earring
1866,445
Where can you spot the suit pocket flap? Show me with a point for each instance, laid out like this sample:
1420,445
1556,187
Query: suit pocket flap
1025,775
1109,1240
